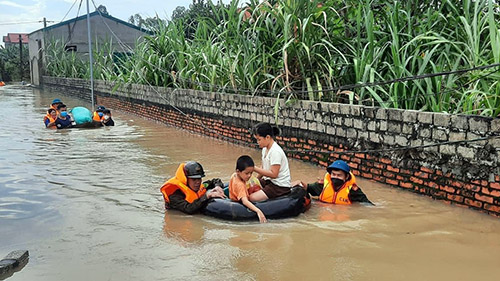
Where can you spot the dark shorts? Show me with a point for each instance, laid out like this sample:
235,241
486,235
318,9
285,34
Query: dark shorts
272,191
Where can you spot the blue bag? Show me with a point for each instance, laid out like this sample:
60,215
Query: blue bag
81,115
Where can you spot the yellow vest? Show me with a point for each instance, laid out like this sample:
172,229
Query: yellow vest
340,197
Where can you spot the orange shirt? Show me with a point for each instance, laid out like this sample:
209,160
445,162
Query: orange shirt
237,188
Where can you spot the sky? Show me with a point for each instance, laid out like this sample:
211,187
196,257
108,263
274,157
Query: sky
21,16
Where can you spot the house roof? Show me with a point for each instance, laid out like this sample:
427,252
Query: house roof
96,13
14,38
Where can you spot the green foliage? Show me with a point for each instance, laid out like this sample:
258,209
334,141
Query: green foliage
199,11
10,65
62,63
146,23
301,49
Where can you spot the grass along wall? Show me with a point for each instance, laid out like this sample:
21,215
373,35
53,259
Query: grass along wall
462,173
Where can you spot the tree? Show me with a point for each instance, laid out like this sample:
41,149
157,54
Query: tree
178,13
102,9
146,23
199,9
9,63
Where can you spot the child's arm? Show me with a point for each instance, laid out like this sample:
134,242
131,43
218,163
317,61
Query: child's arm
252,207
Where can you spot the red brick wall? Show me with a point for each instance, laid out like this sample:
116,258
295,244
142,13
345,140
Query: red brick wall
419,175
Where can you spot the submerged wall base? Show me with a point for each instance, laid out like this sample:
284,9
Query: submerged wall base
466,174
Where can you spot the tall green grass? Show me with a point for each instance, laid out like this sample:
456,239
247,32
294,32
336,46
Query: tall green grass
303,49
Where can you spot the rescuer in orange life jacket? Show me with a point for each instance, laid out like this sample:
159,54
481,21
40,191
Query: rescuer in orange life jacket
338,187
55,103
185,192
98,114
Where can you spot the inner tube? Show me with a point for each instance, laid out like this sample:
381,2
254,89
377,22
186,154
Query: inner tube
290,205
81,115
83,118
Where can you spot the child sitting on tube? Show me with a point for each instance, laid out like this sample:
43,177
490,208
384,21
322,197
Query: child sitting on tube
241,184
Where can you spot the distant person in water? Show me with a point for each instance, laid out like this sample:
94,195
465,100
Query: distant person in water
55,103
98,115
50,118
63,120
107,120
338,186
185,192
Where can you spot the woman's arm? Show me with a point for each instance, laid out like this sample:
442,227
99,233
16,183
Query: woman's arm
273,173
249,205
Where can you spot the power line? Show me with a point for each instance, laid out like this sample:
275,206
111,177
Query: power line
327,90
405,148
320,151
153,88
23,22
392,149
70,8
400,100
74,23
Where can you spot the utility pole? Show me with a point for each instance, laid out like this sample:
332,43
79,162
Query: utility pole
21,57
44,22
90,58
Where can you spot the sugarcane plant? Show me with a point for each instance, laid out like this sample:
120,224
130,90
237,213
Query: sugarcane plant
309,49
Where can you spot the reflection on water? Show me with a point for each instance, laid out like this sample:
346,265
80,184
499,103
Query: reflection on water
86,204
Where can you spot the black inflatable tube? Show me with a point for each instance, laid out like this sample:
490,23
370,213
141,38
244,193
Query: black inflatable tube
92,124
290,205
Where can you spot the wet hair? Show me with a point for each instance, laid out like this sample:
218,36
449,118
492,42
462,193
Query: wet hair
50,110
265,129
106,111
244,162
61,106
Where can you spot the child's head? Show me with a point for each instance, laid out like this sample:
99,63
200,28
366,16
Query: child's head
52,112
244,167
107,113
264,133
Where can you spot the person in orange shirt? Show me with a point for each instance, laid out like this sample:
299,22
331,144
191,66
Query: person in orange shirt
238,189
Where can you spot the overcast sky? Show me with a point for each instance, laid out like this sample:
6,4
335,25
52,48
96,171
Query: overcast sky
20,16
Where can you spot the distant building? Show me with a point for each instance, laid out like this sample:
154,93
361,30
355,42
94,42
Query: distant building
12,39
104,29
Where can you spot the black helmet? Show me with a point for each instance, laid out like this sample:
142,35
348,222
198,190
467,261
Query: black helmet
100,108
193,170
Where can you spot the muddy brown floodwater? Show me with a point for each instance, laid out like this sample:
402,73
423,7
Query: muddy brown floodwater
86,204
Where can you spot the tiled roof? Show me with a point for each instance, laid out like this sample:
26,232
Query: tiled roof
96,13
14,38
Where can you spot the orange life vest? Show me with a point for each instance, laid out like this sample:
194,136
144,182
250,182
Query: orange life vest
96,117
51,120
341,197
2,83
179,182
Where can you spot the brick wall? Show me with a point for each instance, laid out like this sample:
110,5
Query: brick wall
466,174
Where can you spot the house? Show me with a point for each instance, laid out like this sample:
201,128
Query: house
12,39
122,36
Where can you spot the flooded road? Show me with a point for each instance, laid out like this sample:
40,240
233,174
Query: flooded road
86,204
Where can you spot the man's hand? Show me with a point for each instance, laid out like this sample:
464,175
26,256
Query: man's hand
216,192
